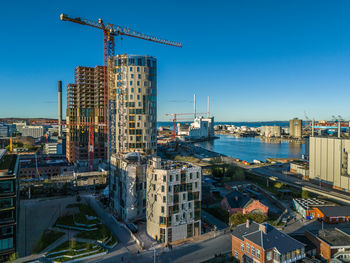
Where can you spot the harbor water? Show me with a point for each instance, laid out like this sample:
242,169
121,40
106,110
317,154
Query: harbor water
253,148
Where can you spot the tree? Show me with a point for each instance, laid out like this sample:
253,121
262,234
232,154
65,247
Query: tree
237,219
13,257
257,217
305,194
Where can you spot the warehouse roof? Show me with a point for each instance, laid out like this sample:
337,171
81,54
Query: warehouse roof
335,211
334,237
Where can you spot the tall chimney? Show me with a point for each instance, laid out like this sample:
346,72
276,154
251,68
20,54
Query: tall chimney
194,105
208,106
60,108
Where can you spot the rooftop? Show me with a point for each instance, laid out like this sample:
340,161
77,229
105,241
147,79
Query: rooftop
267,237
335,211
334,237
307,203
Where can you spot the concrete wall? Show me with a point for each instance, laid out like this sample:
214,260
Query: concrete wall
329,161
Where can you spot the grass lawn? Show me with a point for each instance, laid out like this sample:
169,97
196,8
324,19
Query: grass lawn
64,259
65,220
46,239
70,245
101,233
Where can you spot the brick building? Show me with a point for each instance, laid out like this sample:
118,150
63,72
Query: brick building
235,202
253,242
331,244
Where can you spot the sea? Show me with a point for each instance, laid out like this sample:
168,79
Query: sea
251,148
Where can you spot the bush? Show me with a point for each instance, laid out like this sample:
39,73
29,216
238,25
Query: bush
237,219
305,194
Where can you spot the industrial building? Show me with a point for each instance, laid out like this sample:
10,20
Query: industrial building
296,128
128,186
329,162
173,200
136,104
305,206
9,202
270,131
4,130
85,106
201,129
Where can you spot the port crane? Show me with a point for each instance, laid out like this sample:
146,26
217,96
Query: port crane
111,31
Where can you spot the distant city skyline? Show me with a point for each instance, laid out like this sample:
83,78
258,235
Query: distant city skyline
257,60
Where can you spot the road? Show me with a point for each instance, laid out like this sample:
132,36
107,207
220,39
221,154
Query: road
194,252
332,194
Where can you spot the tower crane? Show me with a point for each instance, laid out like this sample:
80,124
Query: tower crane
110,31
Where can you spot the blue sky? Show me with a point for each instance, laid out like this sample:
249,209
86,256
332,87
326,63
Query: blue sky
257,60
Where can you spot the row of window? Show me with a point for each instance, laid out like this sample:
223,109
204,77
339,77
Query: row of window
251,250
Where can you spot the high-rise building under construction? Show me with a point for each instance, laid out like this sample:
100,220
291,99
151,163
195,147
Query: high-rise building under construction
85,106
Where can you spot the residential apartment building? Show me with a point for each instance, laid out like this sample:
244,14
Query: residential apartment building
173,200
8,204
253,242
128,186
296,128
329,162
136,103
85,105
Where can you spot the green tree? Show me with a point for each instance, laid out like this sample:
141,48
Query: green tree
305,194
257,217
237,219
13,257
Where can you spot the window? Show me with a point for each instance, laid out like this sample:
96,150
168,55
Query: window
242,246
164,178
162,188
6,231
6,203
130,83
6,243
257,253
196,185
171,176
139,90
155,177
164,199
269,256
236,254
177,177
184,196
197,175
132,89
169,189
253,251
130,68
139,76
138,69
138,83
155,197
132,76
162,209
6,187
190,176
248,248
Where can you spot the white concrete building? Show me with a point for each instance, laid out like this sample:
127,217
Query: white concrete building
53,148
329,161
173,200
128,186
33,131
